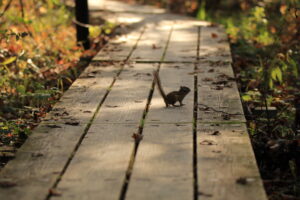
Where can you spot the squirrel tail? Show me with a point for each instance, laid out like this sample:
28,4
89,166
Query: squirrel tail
158,83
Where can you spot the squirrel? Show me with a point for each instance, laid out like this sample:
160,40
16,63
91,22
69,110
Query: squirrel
172,97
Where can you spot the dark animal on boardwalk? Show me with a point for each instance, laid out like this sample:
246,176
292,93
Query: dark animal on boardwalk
172,97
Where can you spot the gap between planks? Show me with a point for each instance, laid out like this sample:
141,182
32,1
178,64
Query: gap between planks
100,164
133,48
139,135
64,182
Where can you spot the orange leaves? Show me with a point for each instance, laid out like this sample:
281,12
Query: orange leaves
214,35
15,48
273,29
283,9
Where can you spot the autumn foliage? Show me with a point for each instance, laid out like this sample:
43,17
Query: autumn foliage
38,52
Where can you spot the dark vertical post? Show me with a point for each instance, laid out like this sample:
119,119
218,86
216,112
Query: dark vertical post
82,16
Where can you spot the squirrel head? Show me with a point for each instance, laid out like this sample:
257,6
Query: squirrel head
184,89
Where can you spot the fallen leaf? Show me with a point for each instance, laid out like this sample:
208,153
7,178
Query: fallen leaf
207,79
111,106
208,142
72,122
7,184
53,126
244,180
195,72
155,47
87,111
137,137
212,24
65,113
204,194
37,154
241,181
216,133
226,116
219,87
8,60
177,124
214,35
222,82
54,192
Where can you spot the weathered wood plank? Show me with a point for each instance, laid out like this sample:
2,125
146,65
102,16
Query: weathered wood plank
43,156
214,45
226,164
163,167
217,90
153,42
183,44
120,48
118,6
128,19
99,166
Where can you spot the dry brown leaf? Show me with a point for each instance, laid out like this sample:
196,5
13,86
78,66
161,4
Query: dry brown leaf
214,35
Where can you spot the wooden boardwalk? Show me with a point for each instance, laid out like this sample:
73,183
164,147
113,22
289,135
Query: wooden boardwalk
111,137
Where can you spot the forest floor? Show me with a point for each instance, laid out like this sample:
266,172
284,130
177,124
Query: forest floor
36,67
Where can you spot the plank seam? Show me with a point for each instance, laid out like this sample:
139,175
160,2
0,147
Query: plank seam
155,122
139,134
146,61
195,120
128,12
89,124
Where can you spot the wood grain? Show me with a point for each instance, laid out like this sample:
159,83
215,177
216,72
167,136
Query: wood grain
163,167
218,95
227,167
98,168
33,174
120,48
153,42
226,164
183,43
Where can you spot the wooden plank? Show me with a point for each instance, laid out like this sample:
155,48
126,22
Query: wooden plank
226,164
40,160
218,95
98,168
152,44
164,167
120,48
128,19
227,168
183,44
214,45
117,6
